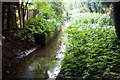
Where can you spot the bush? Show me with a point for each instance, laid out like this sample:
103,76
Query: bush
39,25
93,50
45,22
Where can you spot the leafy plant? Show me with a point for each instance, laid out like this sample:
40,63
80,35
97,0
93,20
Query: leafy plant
92,51
39,25
45,22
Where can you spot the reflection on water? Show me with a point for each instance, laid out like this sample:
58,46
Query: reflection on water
38,68
54,71
44,63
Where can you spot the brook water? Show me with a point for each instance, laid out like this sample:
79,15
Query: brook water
44,63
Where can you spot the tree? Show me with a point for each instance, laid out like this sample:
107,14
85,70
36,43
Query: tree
58,7
116,10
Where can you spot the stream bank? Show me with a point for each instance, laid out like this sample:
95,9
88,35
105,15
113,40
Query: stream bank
36,65
43,63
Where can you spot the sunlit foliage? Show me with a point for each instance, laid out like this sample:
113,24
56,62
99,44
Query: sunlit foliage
93,50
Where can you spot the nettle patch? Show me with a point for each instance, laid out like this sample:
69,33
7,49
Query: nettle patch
93,51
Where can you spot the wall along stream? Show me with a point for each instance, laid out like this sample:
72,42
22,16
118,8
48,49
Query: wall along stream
44,63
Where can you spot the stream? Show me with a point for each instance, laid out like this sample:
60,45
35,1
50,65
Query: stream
44,63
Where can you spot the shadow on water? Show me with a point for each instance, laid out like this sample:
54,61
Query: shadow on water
43,63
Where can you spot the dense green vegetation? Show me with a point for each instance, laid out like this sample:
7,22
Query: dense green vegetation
88,6
47,20
93,49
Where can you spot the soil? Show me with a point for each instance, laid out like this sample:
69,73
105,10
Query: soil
12,47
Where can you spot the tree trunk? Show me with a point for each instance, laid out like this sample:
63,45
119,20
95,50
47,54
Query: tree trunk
8,16
22,11
116,10
19,9
2,16
15,18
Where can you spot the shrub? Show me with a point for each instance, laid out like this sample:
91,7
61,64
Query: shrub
39,25
93,50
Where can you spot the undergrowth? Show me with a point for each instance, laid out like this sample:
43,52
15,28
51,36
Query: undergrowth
93,50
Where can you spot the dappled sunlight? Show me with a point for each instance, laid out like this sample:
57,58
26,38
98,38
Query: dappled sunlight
59,40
